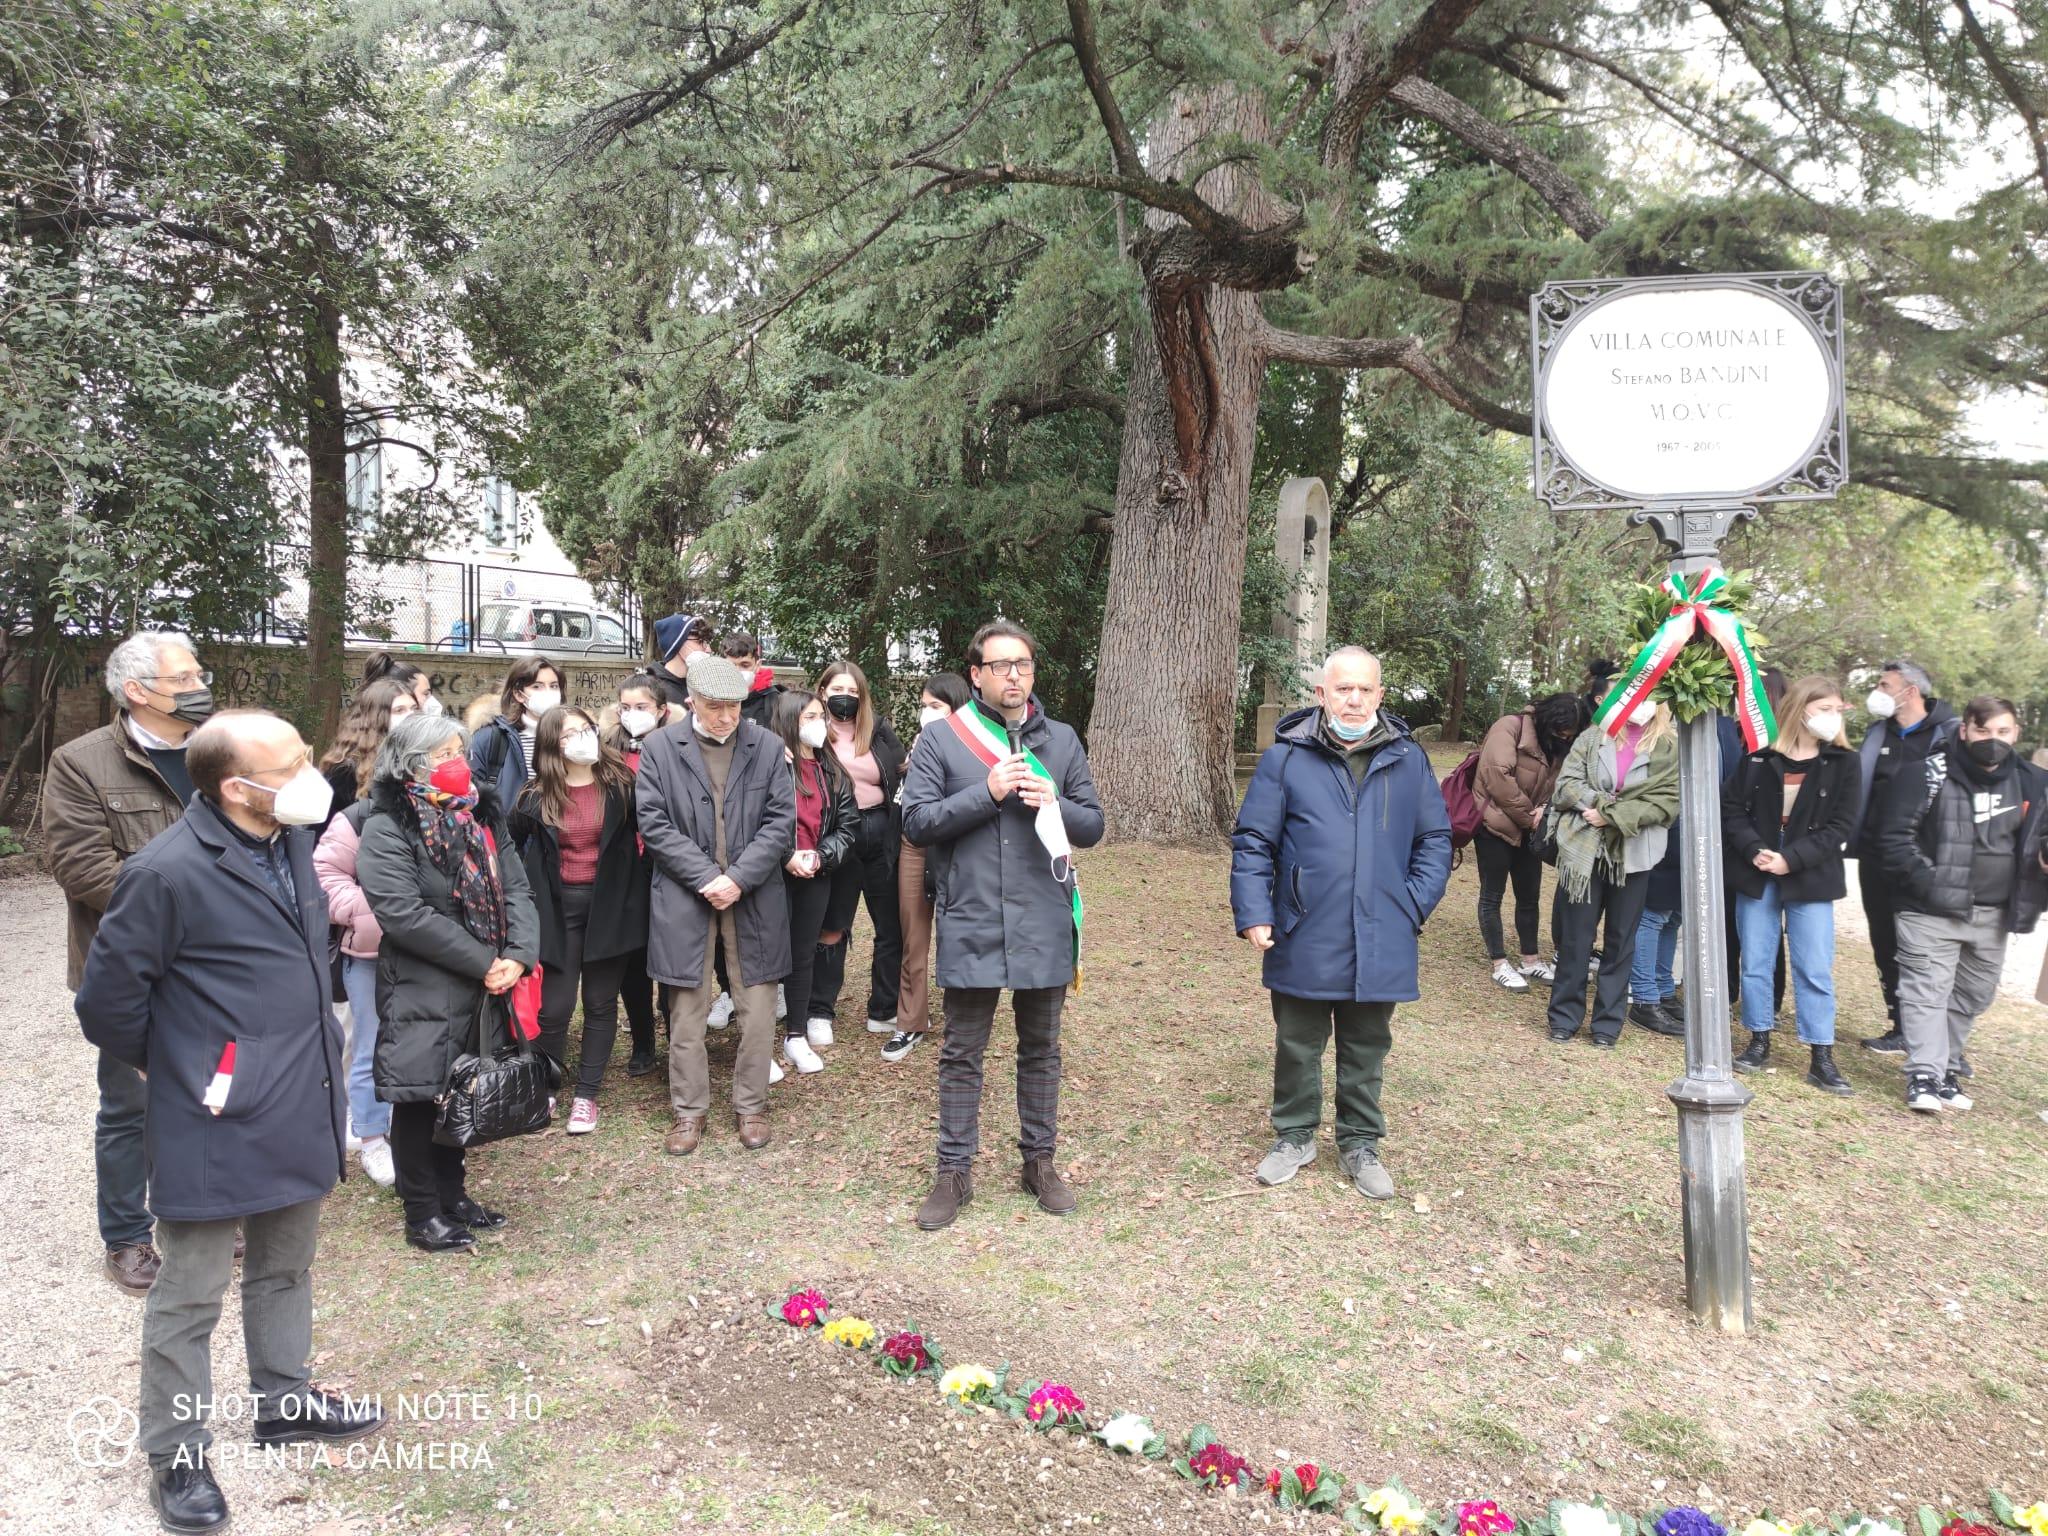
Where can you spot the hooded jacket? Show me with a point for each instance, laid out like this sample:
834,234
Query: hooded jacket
1886,753
1344,871
1514,777
1926,841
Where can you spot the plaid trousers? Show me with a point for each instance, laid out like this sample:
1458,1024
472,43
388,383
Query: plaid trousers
970,1016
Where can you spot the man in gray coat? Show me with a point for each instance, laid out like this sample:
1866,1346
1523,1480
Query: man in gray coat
1001,795
209,975
717,805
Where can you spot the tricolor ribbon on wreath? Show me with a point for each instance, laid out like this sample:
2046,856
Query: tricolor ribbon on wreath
1696,604
988,738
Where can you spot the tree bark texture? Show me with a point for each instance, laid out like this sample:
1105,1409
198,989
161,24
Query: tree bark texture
326,516
1166,690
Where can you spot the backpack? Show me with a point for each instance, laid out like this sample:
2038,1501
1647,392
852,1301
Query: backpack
1461,800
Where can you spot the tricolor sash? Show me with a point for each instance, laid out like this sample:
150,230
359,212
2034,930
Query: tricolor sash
1696,604
988,739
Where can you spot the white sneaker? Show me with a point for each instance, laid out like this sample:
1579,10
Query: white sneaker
1540,971
781,1001
1505,975
775,1072
376,1160
800,1054
721,1012
882,1026
352,1141
819,1032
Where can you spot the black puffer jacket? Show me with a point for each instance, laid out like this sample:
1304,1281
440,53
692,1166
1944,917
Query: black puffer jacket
430,969
1823,819
1926,839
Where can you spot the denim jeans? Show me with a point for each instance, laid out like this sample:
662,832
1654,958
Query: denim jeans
1656,947
1810,939
118,1156
370,1114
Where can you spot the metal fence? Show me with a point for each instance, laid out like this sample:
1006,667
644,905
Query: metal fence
453,605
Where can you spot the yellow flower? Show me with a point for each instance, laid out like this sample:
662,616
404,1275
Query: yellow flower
853,1332
2033,1518
965,1381
1394,1510
1770,1528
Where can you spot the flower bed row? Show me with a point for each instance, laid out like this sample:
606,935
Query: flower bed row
1053,1407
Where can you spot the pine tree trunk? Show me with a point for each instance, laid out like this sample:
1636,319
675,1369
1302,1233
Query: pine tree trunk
1454,699
1159,738
326,517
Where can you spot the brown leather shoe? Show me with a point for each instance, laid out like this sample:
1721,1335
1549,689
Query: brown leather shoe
1055,1196
684,1136
753,1131
952,1192
134,1269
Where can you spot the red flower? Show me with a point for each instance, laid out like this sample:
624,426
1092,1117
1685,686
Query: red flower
1483,1517
1306,1474
1273,1482
1216,1465
804,1309
907,1350
1962,1527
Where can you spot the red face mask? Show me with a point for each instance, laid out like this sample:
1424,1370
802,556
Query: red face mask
452,777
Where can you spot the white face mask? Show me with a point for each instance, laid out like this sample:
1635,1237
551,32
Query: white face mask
431,707
1825,724
812,733
706,732
638,722
1880,705
540,700
932,713
580,747
1643,713
303,800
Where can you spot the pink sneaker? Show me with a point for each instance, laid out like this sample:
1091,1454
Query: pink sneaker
582,1117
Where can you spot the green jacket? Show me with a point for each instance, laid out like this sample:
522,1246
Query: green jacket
1639,812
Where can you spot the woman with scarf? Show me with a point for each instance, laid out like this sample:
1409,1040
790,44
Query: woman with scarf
1613,805
438,870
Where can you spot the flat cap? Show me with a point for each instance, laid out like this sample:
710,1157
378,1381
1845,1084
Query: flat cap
716,680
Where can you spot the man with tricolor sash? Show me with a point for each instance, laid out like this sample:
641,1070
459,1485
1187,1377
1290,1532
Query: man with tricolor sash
1001,795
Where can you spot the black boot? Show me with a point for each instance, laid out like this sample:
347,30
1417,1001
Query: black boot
1653,1018
317,1415
1824,1074
1758,1056
186,1498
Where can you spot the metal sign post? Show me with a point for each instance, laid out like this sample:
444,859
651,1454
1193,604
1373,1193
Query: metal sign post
1691,400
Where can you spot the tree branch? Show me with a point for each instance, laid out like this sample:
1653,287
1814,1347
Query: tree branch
1480,133
1079,397
1363,82
2015,89
1122,147
1405,353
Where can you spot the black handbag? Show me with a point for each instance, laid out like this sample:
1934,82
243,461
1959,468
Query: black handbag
496,1093
1541,839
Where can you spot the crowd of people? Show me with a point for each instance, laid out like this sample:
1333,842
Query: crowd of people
284,959
1940,812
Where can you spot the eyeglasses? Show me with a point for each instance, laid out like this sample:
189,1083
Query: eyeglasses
203,679
1019,668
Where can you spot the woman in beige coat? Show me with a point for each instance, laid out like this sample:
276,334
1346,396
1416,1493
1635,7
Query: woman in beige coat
1518,763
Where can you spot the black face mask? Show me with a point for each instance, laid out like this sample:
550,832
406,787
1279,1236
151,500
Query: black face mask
1988,753
843,706
194,706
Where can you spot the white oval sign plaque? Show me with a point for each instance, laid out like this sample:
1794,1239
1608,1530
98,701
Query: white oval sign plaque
1688,392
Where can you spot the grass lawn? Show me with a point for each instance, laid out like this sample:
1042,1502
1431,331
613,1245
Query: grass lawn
1512,1326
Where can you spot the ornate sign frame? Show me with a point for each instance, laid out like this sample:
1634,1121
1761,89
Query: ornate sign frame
1812,297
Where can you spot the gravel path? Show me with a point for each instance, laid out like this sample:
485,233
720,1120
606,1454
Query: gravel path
68,1336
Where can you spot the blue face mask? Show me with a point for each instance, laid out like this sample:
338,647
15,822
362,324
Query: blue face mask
1353,732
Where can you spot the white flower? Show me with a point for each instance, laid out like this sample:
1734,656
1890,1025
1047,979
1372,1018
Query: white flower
1585,1520
1869,1527
1127,1432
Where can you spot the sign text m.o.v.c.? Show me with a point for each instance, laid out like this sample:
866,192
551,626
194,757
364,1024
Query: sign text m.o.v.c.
1724,389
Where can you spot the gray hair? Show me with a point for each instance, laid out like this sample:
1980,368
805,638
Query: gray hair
1352,653
139,658
1913,673
403,757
